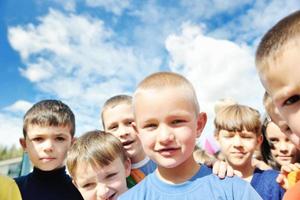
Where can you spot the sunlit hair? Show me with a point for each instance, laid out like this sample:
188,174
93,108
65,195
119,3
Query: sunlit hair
238,118
97,148
113,102
163,80
272,44
49,113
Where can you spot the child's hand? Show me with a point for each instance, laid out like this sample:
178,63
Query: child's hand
283,178
222,169
260,164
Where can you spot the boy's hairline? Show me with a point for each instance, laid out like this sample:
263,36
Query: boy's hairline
191,93
45,126
93,164
106,107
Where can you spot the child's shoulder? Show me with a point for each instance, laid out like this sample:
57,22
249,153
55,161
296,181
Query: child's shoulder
269,174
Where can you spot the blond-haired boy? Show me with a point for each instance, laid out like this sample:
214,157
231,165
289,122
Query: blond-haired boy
277,62
98,165
48,130
237,129
168,121
117,117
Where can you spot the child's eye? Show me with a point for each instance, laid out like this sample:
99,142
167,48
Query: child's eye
112,128
37,139
109,176
292,100
88,185
128,123
177,121
150,126
247,136
274,140
60,139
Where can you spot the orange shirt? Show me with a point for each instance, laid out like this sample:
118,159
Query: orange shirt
293,193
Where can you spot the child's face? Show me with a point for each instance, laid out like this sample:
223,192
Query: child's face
47,146
283,84
282,149
102,183
277,119
168,125
118,121
238,147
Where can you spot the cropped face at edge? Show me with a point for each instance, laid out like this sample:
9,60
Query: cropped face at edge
283,84
167,125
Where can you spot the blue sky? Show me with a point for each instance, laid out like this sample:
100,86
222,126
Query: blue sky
83,52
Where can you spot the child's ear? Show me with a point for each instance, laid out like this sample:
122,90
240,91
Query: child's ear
73,140
201,121
127,165
133,124
74,183
22,142
259,141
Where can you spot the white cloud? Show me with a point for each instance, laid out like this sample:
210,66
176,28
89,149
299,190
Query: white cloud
11,129
114,6
77,59
217,68
19,106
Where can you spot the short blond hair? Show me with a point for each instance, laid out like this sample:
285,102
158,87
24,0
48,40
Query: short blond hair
276,39
113,102
97,148
238,117
162,80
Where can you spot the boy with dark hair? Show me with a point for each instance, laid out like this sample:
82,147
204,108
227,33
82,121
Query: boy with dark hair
48,130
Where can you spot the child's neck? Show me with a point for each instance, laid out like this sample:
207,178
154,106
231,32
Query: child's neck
179,174
246,170
138,158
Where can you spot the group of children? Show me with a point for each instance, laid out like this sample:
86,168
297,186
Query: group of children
148,140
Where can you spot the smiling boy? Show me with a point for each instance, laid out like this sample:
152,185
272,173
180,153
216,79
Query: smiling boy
168,121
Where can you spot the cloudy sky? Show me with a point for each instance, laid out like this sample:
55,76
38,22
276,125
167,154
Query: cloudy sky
85,51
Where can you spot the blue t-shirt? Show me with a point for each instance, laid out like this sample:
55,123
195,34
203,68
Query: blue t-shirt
264,182
203,185
148,167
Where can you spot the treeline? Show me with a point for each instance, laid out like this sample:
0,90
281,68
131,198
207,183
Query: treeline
10,152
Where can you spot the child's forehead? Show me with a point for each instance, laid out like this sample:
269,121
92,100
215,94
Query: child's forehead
34,129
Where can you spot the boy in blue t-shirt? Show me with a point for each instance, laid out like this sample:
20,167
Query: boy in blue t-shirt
168,121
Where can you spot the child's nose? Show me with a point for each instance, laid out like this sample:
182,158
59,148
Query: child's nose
124,131
283,147
48,145
237,140
102,191
165,134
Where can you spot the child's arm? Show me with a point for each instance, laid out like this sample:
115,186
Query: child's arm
222,169
289,175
